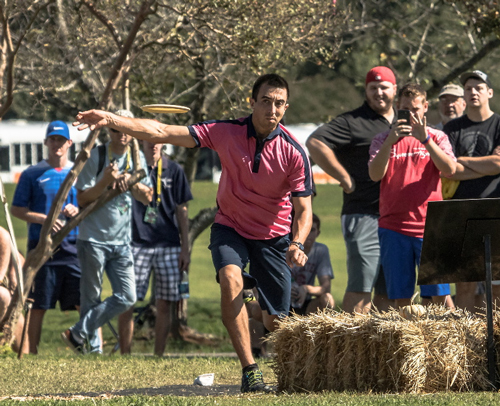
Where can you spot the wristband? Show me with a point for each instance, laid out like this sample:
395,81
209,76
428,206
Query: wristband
426,140
298,245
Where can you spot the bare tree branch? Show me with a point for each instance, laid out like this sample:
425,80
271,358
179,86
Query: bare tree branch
116,71
106,22
11,52
465,66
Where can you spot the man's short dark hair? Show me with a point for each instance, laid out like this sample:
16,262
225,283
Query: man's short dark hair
412,90
270,79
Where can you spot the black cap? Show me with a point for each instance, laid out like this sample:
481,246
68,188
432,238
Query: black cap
477,74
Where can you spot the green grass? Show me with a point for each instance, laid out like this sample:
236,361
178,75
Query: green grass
131,377
204,304
57,371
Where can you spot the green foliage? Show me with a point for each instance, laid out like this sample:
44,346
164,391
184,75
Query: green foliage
484,16
321,97
419,40
204,304
6,351
205,53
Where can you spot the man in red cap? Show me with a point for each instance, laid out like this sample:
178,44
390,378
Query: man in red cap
341,149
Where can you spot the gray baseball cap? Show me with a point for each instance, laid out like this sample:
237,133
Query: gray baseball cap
453,90
124,113
476,74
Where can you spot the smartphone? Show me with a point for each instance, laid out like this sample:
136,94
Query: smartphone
404,114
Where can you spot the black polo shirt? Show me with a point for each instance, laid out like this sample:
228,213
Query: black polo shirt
349,136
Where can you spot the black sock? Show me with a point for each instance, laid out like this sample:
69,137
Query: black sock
251,367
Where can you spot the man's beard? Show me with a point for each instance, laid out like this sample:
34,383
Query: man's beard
381,109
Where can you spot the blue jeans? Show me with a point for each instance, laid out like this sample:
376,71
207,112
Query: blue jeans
118,262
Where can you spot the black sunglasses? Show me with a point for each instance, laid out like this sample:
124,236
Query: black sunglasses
112,130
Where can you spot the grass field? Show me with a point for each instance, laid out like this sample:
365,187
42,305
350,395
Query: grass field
145,380
204,311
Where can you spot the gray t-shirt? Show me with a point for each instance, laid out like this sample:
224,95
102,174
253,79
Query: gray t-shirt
317,265
110,224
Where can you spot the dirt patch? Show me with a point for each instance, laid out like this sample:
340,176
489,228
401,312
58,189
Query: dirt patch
172,390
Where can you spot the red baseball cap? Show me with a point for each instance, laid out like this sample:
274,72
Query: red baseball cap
380,74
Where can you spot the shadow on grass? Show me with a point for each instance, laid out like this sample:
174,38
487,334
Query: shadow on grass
170,390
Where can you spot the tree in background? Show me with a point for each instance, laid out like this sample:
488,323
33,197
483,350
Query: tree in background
206,53
16,22
428,41
483,15
203,53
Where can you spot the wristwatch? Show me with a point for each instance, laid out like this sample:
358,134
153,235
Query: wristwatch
298,244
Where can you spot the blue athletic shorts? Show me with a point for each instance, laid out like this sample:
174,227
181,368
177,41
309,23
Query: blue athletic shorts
56,283
400,255
268,270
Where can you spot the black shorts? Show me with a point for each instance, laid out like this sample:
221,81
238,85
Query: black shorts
56,283
268,271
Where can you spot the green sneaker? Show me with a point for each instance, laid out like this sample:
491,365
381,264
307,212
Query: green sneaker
253,381
248,296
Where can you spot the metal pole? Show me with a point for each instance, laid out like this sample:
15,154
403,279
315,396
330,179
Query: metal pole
489,314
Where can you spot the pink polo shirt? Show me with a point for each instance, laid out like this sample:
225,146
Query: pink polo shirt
258,177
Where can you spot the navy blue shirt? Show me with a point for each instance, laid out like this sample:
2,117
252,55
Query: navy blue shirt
174,191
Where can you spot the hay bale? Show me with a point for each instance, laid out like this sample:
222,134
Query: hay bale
383,352
287,346
341,350
300,344
399,347
316,360
456,356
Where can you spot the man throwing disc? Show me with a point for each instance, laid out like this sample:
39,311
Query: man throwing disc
264,172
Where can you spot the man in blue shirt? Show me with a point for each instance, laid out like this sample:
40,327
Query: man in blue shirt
59,278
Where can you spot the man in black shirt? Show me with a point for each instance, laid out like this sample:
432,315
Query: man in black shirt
475,138
341,149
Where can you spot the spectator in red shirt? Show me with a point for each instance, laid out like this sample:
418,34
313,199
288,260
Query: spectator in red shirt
408,160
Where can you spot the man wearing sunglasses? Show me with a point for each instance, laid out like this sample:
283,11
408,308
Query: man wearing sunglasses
104,239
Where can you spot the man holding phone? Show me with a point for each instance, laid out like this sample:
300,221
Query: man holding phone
409,160
340,148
